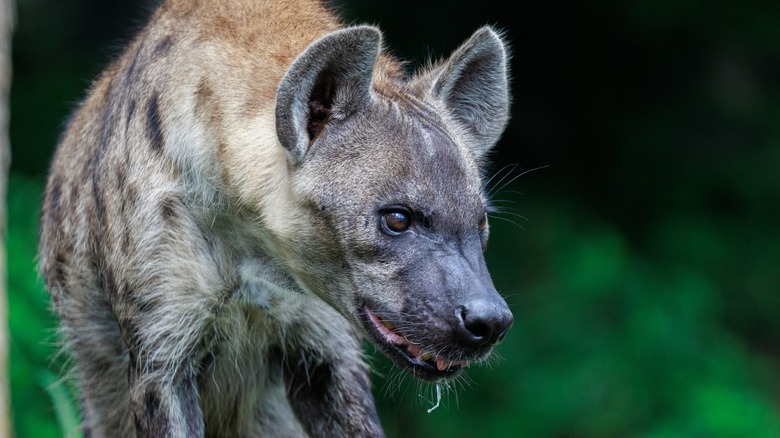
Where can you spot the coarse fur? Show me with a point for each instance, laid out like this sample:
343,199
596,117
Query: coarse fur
246,193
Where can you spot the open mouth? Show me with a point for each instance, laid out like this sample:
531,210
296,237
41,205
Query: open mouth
422,363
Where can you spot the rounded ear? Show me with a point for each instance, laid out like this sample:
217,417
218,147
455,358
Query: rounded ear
474,85
335,69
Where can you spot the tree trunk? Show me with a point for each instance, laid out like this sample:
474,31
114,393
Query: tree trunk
6,26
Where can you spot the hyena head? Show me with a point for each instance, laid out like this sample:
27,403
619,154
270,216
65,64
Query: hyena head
386,172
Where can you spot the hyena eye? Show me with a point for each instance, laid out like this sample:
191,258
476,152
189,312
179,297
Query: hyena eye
396,221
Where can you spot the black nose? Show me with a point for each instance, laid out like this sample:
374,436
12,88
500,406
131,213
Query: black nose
483,322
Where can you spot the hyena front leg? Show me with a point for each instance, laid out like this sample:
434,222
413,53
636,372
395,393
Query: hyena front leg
327,380
166,337
167,329
164,408
333,398
101,357
165,297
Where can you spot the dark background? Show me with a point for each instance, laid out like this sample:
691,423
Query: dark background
640,252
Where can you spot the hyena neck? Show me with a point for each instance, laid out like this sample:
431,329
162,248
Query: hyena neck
263,284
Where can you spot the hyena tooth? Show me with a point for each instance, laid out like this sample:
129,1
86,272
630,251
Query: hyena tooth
414,350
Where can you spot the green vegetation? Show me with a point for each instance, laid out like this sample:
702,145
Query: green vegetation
34,366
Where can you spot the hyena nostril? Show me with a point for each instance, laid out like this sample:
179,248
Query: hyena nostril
482,323
479,329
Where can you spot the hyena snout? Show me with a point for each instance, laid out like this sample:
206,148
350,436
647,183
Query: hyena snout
481,316
483,321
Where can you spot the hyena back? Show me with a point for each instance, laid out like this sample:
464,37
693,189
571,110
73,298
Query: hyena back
248,191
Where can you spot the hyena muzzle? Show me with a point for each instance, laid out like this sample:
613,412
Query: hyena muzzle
246,193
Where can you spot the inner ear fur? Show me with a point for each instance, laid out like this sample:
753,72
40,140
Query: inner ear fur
320,104
337,66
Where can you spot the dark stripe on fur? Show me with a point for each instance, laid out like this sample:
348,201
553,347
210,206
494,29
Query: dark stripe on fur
154,124
163,46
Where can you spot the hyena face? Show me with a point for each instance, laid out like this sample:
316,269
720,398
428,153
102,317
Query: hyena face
387,176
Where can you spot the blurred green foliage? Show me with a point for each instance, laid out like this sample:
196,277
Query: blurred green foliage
33,339
645,281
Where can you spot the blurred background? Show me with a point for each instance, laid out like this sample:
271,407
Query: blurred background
638,242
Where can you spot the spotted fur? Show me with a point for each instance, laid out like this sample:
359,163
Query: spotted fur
212,237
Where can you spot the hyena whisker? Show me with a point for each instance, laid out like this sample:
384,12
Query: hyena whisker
504,191
509,296
505,201
510,221
425,393
512,213
510,167
498,189
493,360
461,382
394,383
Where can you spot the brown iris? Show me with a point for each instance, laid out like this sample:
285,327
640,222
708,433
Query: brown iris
396,221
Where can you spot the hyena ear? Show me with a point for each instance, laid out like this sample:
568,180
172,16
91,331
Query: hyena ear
333,72
473,84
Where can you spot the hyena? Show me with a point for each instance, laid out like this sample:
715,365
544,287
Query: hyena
250,190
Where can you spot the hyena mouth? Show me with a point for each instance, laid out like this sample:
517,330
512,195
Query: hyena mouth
408,355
